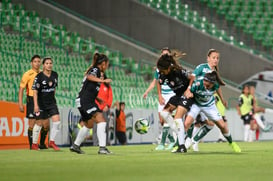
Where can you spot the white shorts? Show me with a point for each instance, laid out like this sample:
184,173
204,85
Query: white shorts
166,98
210,112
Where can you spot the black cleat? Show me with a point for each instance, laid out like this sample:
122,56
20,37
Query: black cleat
104,150
77,149
42,147
181,149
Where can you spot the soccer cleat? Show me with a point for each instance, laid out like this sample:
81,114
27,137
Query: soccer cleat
104,150
235,147
160,147
34,147
195,146
42,147
267,128
76,149
220,140
188,142
53,145
174,149
181,149
170,146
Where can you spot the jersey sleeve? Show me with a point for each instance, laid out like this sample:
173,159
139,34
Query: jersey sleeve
36,84
94,71
57,80
194,86
198,70
156,74
24,81
186,73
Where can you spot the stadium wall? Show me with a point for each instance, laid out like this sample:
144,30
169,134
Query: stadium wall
158,30
14,126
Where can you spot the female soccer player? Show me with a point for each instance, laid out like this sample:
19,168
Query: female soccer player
204,101
178,80
89,110
164,94
213,58
45,105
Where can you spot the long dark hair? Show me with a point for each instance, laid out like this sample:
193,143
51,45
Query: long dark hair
165,61
97,60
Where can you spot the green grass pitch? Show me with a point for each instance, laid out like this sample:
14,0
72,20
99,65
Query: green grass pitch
215,161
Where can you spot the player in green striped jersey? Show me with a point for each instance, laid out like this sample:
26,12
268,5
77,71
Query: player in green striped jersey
213,58
203,91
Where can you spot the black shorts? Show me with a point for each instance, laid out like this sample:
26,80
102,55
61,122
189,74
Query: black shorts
48,112
87,112
121,137
30,108
246,118
181,101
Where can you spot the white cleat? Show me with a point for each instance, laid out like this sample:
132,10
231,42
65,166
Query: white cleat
188,143
195,147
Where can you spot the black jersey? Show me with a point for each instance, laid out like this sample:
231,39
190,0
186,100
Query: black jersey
89,89
177,80
46,87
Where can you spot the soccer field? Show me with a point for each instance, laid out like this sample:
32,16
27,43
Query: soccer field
215,161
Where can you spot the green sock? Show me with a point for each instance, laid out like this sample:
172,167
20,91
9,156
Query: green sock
165,133
171,138
190,130
201,133
228,137
29,134
43,135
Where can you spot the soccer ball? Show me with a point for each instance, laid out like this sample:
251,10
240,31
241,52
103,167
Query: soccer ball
142,126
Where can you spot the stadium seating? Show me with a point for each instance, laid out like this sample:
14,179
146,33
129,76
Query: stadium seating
24,34
253,17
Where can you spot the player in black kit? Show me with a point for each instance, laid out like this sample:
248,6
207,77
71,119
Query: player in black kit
178,80
89,110
45,105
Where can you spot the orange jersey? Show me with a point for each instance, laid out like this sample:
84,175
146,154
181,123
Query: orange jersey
106,94
121,122
27,81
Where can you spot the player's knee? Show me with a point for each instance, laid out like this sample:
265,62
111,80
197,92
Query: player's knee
164,114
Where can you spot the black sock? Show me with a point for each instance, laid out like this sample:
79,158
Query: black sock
43,135
29,134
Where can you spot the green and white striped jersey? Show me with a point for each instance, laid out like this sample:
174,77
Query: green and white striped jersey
202,96
200,71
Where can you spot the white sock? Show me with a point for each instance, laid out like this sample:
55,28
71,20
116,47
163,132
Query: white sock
251,135
81,135
246,132
174,128
101,132
55,129
180,131
167,117
195,130
267,110
35,133
259,121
